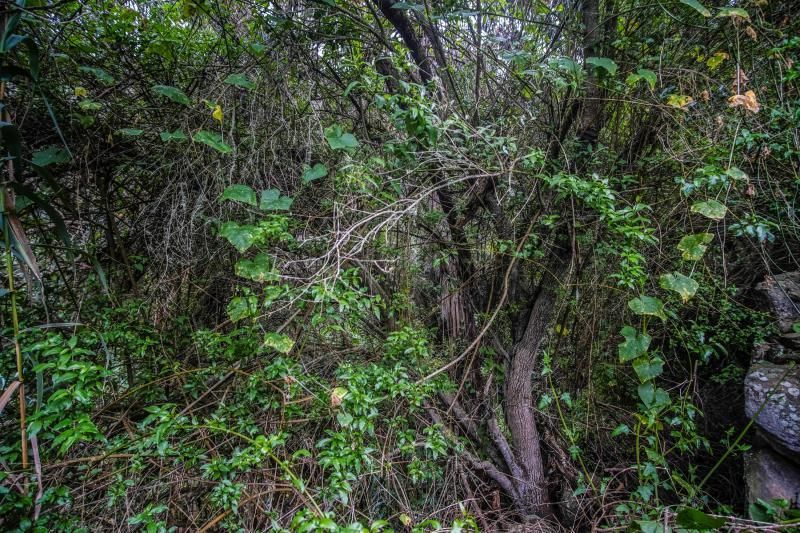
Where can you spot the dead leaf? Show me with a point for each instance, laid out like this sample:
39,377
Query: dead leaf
751,33
740,79
704,96
748,100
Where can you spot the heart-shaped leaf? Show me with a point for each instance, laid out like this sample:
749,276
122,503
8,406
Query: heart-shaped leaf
241,237
635,344
240,80
685,286
710,209
240,193
694,246
52,155
648,369
214,140
339,140
259,268
604,63
173,93
314,173
278,342
242,307
648,305
271,200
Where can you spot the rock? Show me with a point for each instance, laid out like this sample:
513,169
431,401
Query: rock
780,417
783,293
775,352
770,476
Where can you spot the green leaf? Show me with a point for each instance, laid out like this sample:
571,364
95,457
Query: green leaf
652,396
339,140
214,140
685,286
694,246
100,74
278,342
649,76
635,344
271,200
796,327
648,369
647,305
621,429
733,12
173,93
168,136
695,519
242,307
259,268
710,209
131,132
604,63
737,174
52,155
241,237
697,6
240,193
240,80
314,173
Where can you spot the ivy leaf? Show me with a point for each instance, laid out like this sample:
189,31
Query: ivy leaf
314,173
173,93
240,80
52,155
271,200
710,209
214,140
604,63
653,396
648,305
278,342
685,286
648,369
635,344
240,193
169,136
259,268
697,6
241,237
242,307
695,246
339,140
695,519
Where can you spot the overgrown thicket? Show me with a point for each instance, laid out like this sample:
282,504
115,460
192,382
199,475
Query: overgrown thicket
373,265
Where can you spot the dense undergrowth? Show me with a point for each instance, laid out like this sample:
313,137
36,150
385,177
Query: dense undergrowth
371,266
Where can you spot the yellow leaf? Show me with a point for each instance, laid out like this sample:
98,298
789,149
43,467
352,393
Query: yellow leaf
716,60
81,92
337,395
680,101
747,100
217,113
